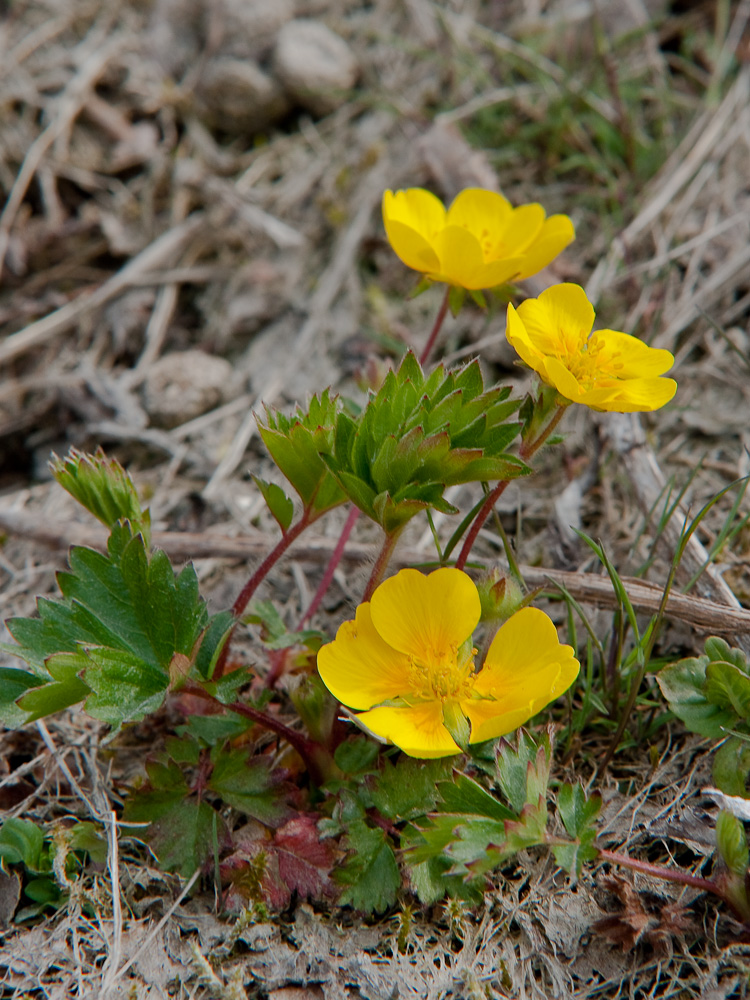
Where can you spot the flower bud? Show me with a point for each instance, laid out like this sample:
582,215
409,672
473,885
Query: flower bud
500,596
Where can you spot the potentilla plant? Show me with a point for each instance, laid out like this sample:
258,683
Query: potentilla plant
396,733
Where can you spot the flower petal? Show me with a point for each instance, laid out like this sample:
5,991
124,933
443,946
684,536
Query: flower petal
556,233
634,395
526,668
426,617
524,225
519,339
418,730
559,321
416,208
558,375
484,213
633,358
461,258
411,247
359,667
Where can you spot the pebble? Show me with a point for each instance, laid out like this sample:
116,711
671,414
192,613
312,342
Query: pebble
182,385
315,65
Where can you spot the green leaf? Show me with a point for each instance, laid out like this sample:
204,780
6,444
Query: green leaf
356,755
523,770
181,833
370,874
464,795
731,767
280,505
247,784
124,687
731,842
212,643
66,689
717,649
683,685
14,683
21,842
408,788
576,811
456,298
729,688
103,487
298,445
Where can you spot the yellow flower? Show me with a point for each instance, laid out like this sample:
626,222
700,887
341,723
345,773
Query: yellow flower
406,664
481,241
606,370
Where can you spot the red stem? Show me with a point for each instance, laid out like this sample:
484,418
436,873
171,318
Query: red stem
427,350
527,449
331,567
273,556
256,579
670,875
380,564
312,753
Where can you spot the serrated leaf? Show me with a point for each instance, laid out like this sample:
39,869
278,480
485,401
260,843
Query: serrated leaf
576,810
247,784
280,505
103,487
719,650
14,683
181,833
464,795
370,874
521,771
64,690
408,788
356,755
683,685
124,688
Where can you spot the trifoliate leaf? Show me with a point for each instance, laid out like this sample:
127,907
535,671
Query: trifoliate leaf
407,789
370,874
296,444
247,784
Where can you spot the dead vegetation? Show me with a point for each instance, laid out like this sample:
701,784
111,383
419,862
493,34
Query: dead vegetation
190,230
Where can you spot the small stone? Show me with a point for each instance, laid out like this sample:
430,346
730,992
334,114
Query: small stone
315,65
182,385
237,97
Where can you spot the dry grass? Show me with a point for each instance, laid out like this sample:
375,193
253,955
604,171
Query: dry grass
135,227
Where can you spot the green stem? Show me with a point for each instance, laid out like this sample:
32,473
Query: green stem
527,449
442,312
381,564
319,763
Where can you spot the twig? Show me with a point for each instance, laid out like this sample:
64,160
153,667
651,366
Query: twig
703,614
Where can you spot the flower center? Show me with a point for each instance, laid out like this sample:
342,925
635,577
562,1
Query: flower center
445,675
582,356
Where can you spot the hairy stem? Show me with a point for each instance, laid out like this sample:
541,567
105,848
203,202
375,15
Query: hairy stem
381,563
527,449
331,567
257,578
